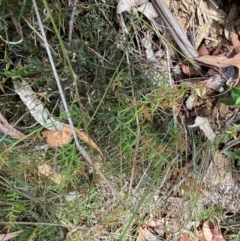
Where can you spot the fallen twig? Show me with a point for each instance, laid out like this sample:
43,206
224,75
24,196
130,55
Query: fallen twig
174,29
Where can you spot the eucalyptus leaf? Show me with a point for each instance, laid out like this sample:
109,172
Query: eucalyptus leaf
227,101
235,93
237,102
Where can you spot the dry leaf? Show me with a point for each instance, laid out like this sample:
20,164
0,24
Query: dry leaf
148,10
215,82
235,42
127,5
217,50
202,50
85,138
142,233
189,70
147,113
63,137
201,91
8,236
190,102
35,106
207,231
58,138
159,223
46,171
184,237
204,125
220,60
214,233
7,129
199,235
147,44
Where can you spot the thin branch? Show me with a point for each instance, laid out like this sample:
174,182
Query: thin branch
137,135
71,21
174,28
37,224
9,42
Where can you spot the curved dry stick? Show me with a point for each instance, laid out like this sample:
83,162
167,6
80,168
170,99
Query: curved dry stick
174,28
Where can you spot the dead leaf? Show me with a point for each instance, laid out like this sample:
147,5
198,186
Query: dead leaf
58,138
148,10
199,235
142,233
190,102
184,237
46,171
201,91
158,223
85,138
147,113
8,236
217,50
35,106
207,231
7,129
215,82
235,42
204,125
202,50
212,231
63,137
217,233
127,5
220,61
189,70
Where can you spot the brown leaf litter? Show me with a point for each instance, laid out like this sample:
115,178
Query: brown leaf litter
63,137
8,129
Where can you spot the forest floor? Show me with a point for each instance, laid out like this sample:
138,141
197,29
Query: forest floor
119,120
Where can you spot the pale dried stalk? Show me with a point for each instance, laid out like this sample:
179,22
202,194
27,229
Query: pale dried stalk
71,21
175,30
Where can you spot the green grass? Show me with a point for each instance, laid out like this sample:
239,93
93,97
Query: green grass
113,99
